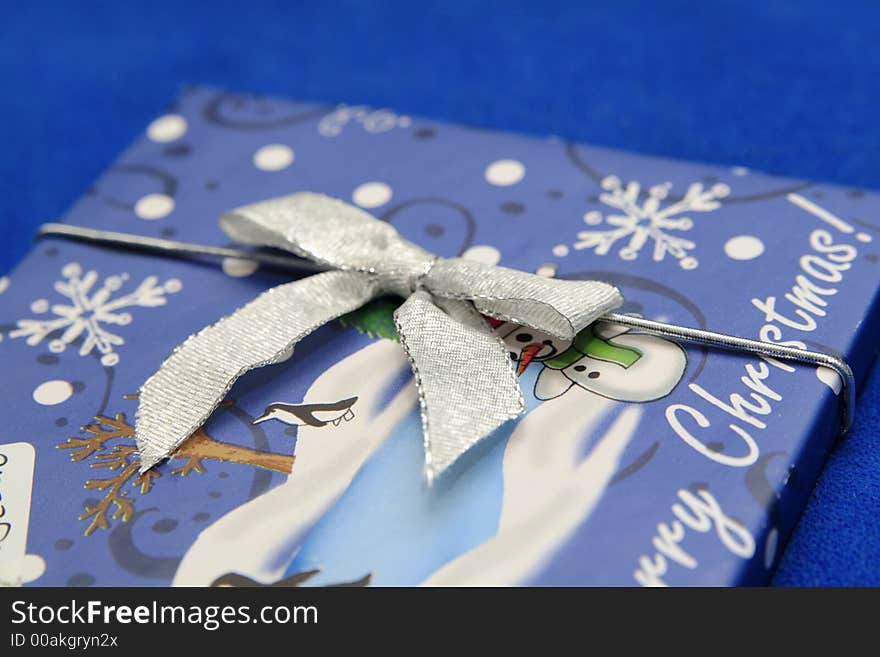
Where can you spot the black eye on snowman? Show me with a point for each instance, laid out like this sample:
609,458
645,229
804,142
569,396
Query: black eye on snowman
592,375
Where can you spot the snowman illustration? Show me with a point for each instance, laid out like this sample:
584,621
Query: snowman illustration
356,507
611,361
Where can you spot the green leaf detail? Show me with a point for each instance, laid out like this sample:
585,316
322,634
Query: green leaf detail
375,319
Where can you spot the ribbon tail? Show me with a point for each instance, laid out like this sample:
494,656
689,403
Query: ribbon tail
189,385
466,382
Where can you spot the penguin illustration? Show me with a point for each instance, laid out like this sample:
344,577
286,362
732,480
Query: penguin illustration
313,415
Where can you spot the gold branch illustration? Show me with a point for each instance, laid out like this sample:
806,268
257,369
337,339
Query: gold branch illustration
122,459
106,429
113,495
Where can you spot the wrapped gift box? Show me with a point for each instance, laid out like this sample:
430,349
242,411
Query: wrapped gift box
639,461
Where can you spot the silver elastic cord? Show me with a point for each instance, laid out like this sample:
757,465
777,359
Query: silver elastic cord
172,248
699,336
757,347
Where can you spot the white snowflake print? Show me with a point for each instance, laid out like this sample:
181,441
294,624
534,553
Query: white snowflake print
372,120
88,313
645,220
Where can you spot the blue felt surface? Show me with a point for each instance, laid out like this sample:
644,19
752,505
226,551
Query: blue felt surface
786,87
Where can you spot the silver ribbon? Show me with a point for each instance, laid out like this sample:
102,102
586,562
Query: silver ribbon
466,382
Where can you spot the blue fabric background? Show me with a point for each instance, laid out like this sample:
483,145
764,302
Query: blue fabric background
786,87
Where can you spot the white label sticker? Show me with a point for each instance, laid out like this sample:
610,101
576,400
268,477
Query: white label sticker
16,483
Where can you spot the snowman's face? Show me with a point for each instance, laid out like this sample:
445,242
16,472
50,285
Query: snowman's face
630,367
528,345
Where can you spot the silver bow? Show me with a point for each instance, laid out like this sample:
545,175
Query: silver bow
466,382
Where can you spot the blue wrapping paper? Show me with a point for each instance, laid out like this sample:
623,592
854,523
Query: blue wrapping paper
639,461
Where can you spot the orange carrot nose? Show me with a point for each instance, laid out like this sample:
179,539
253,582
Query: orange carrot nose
528,353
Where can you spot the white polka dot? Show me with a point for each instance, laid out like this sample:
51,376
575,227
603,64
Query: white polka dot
372,194
560,250
273,157
488,255
32,567
830,378
740,171
239,267
53,392
154,206
167,128
863,237
744,247
505,172
770,547
547,270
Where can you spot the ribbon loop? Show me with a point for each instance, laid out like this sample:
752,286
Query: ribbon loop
467,386
331,233
560,308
